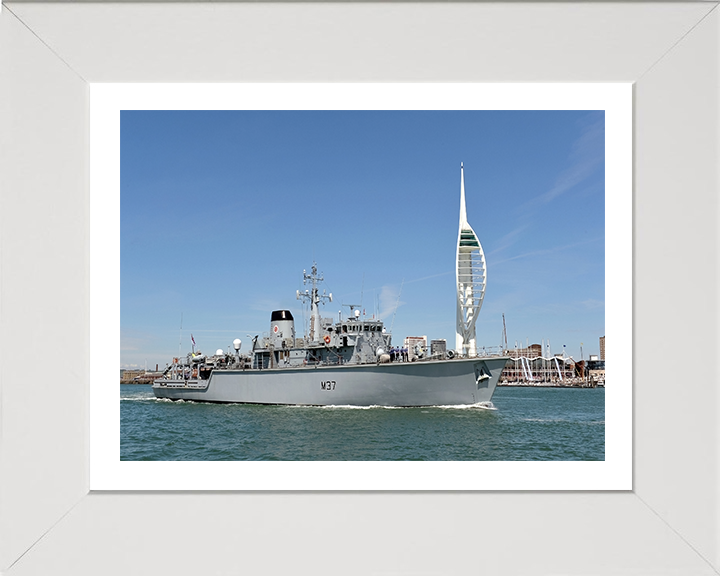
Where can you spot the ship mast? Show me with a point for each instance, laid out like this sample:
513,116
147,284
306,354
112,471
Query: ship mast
314,297
504,334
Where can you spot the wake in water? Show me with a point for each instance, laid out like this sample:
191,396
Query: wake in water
153,399
479,405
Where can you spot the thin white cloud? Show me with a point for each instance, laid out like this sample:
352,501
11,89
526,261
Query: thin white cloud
586,156
264,304
508,240
397,286
547,251
389,299
429,277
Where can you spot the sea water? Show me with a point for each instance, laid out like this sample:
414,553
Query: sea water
530,423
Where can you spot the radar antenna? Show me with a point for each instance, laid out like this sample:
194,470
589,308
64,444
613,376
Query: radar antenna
352,307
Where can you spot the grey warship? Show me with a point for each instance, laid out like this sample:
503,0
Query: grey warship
343,362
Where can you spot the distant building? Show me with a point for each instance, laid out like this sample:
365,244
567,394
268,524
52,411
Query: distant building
596,370
530,352
128,376
138,376
528,365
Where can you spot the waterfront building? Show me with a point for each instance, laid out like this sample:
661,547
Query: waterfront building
596,369
138,376
529,366
129,375
471,278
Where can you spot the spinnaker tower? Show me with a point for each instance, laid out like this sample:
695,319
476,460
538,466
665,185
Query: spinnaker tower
471,279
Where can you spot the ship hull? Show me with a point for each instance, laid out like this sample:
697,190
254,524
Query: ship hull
451,382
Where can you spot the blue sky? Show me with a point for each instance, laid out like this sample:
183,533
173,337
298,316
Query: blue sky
222,211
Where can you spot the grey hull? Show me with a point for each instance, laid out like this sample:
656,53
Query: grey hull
451,382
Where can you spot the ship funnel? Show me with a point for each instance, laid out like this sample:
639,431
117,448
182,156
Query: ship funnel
282,329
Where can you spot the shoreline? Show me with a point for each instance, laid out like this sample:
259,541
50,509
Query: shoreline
546,385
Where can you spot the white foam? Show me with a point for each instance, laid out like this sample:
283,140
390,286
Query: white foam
478,405
178,401
355,407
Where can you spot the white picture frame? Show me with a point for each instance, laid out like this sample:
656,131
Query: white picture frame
668,523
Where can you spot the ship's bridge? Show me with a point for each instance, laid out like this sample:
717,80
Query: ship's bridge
354,326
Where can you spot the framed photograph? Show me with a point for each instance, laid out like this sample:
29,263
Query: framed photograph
329,124
60,512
